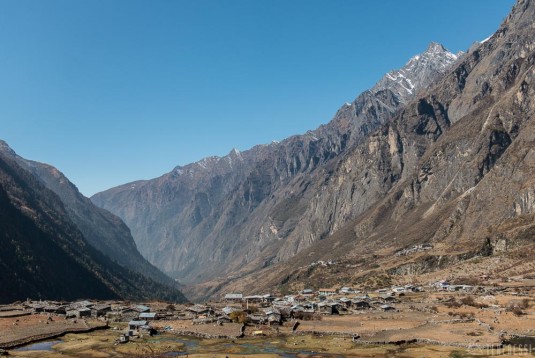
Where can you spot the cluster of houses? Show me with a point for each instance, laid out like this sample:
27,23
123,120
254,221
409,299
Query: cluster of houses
137,316
326,301
414,249
444,285
81,309
271,310
236,307
331,301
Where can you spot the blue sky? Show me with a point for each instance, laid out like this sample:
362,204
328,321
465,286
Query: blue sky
113,91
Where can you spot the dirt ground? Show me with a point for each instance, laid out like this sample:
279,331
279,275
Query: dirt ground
19,329
431,319
228,329
442,325
101,344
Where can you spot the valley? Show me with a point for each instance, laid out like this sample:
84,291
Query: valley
440,319
437,154
403,227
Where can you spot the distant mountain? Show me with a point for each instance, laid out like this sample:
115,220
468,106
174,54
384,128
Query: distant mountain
254,208
101,229
43,254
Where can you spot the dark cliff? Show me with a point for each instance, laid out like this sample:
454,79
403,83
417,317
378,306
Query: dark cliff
45,255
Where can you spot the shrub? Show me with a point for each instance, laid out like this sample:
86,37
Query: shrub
307,316
525,303
468,301
474,334
238,317
457,354
517,311
466,315
253,309
452,304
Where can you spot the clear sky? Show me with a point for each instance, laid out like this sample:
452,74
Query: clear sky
111,91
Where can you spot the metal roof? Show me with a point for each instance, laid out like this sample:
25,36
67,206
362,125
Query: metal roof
147,315
137,323
234,296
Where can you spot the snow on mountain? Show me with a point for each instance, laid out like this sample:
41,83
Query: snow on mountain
415,75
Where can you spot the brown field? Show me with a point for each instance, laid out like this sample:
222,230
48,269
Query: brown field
228,329
17,330
440,328
100,344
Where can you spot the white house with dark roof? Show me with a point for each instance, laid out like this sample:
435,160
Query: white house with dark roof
327,291
148,316
233,297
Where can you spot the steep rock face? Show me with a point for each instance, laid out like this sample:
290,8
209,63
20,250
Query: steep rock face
469,134
103,230
466,175
258,207
44,255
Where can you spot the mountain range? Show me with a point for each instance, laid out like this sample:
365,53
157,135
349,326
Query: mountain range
261,206
57,245
425,156
437,155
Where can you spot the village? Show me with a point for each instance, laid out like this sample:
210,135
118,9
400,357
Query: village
439,313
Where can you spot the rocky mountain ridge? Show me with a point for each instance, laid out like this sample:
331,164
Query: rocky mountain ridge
418,73
44,255
258,207
103,230
451,167
459,162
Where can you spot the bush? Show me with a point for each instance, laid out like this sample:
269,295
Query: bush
474,334
253,309
452,304
238,317
305,316
465,315
468,301
517,311
525,303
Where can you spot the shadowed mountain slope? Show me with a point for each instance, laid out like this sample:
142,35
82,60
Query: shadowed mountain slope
44,255
101,229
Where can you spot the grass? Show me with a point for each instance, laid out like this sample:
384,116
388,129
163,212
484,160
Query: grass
101,344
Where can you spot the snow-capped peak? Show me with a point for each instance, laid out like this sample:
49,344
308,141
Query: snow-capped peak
420,70
485,40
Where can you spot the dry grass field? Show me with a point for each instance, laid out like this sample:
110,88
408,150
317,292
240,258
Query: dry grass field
437,324
16,330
